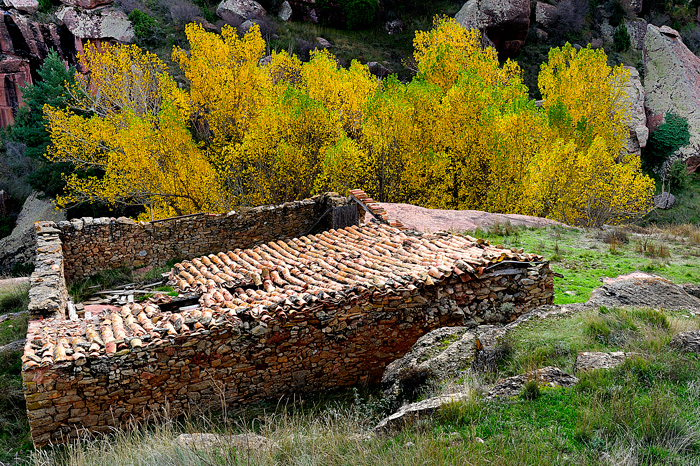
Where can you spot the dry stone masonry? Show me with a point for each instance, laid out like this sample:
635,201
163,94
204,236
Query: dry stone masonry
282,317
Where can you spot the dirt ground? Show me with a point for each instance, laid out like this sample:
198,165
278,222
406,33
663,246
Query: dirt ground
429,220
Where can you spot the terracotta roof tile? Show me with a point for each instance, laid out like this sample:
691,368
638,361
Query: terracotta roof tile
272,282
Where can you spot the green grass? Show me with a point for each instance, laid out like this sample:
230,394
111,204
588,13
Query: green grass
13,299
84,289
15,442
584,259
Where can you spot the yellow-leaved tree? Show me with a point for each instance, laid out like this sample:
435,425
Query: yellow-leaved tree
128,125
583,175
462,134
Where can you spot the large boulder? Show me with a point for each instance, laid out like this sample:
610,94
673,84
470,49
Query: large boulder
637,30
20,247
99,23
437,355
642,290
636,116
504,22
672,81
236,12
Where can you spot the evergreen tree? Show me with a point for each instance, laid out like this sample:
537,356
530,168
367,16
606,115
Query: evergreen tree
30,127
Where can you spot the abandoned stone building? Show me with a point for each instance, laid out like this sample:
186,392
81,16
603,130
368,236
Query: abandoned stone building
270,302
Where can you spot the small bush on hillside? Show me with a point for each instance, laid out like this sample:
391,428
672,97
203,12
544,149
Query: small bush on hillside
44,5
621,39
531,390
678,176
145,27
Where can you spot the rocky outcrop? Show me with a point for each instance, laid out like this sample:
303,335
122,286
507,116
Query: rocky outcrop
14,73
642,290
545,14
632,6
413,412
672,81
25,6
504,22
687,342
20,247
637,30
437,355
304,10
99,23
588,361
636,117
285,11
551,377
236,12
24,44
86,4
664,201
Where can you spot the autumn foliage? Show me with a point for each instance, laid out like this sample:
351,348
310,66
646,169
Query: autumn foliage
462,134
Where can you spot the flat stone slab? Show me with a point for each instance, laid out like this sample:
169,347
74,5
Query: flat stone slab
687,342
414,411
550,376
589,360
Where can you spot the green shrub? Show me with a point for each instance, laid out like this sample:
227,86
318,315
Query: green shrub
531,390
44,5
144,26
621,39
667,139
678,176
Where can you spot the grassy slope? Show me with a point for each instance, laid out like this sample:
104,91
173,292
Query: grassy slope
14,430
584,259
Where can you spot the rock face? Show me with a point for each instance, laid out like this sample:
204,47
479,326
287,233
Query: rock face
588,361
236,12
26,6
20,247
504,22
549,376
636,117
632,6
687,342
24,45
640,289
545,14
637,30
86,4
437,355
99,23
672,81
413,412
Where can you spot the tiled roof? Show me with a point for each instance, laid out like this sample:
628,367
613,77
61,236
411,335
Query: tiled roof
277,281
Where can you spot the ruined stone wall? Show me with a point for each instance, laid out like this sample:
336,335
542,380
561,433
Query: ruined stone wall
48,293
324,346
92,245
